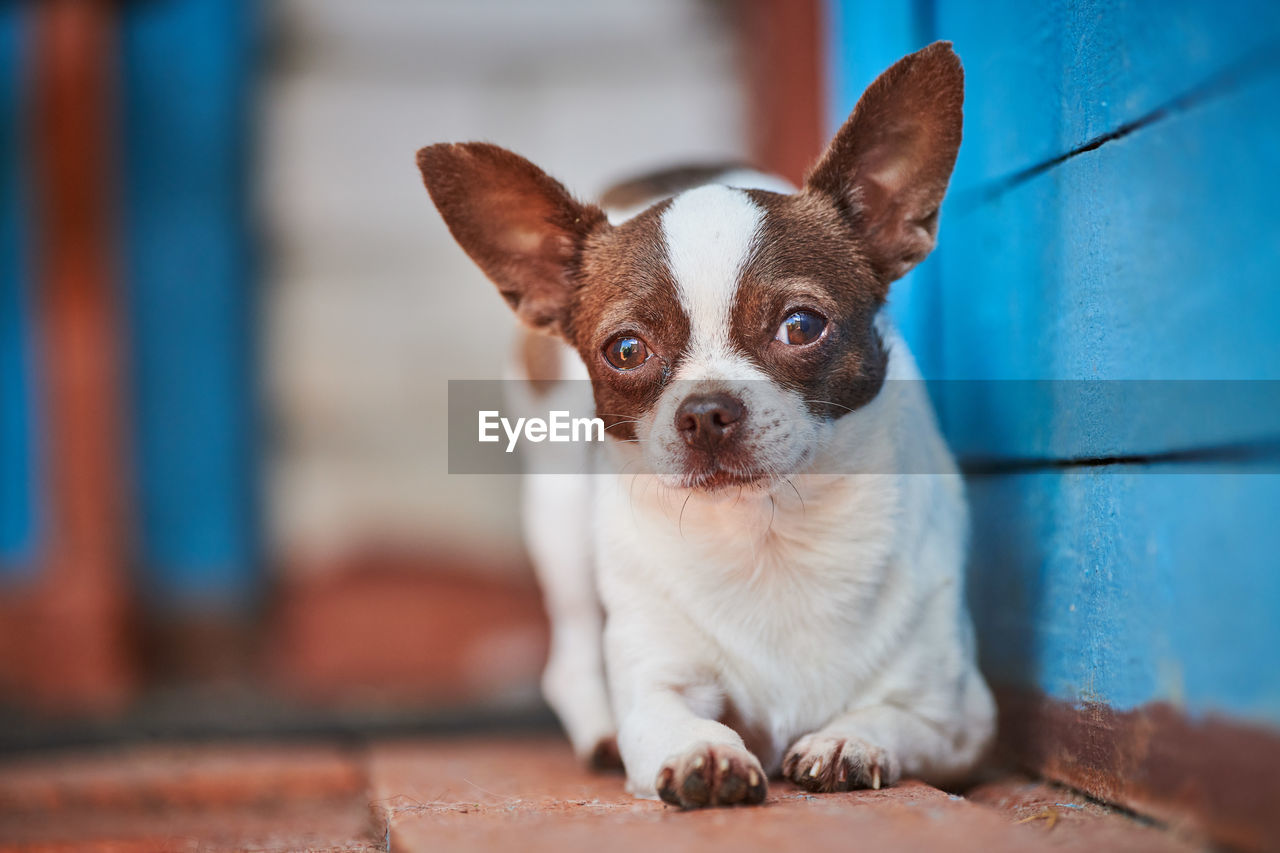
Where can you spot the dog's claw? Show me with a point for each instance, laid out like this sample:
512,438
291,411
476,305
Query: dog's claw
695,791
711,775
848,763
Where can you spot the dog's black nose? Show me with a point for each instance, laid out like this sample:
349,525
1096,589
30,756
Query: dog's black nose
706,420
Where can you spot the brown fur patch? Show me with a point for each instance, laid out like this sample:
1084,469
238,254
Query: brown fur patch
519,225
662,184
808,256
888,167
626,287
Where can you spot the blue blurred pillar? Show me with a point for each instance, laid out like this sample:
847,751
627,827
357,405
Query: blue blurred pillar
188,73
17,481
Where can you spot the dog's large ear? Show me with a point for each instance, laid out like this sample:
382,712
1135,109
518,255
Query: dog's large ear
888,167
515,221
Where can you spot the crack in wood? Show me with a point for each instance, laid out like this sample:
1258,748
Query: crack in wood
1234,455
1254,65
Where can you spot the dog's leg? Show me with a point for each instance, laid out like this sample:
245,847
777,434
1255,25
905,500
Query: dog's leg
873,746
686,760
556,515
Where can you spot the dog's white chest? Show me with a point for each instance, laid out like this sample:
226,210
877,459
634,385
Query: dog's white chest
785,618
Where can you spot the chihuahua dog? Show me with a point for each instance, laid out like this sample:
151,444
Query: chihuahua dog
769,577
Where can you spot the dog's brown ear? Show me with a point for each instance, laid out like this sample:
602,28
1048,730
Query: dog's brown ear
515,221
888,167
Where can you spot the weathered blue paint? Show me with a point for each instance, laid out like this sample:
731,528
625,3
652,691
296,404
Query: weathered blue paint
18,489
1131,584
188,69
1150,257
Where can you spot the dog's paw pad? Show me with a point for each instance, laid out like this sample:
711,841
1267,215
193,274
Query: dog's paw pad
829,763
712,775
604,756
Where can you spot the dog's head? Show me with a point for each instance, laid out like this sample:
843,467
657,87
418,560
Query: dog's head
725,330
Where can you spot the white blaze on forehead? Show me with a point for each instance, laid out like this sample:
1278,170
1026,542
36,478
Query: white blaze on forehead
710,232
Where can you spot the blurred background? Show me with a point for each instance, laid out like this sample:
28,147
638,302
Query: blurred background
228,314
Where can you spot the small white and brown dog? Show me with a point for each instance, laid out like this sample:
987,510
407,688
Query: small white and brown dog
770,578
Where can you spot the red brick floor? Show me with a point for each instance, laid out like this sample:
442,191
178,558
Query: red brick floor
496,793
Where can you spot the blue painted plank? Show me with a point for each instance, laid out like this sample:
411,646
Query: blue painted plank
188,71
1042,79
1151,258
1131,585
1170,235
1130,260
19,494
1045,78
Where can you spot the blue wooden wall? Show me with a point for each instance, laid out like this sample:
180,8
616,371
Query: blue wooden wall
1111,226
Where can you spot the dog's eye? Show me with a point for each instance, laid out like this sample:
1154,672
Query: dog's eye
801,327
626,352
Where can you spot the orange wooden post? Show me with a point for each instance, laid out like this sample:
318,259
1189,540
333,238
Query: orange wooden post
782,48
65,636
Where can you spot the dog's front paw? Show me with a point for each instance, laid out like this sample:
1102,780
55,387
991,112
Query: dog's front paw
712,775
819,762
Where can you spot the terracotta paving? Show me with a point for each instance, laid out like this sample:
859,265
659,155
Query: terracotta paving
496,793
201,797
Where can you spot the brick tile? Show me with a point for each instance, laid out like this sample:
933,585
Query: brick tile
154,777
203,797
335,826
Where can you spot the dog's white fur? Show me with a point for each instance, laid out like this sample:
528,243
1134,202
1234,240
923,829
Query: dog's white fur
825,612
710,233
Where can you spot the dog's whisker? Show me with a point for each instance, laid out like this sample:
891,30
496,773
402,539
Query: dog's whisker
799,497
829,403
